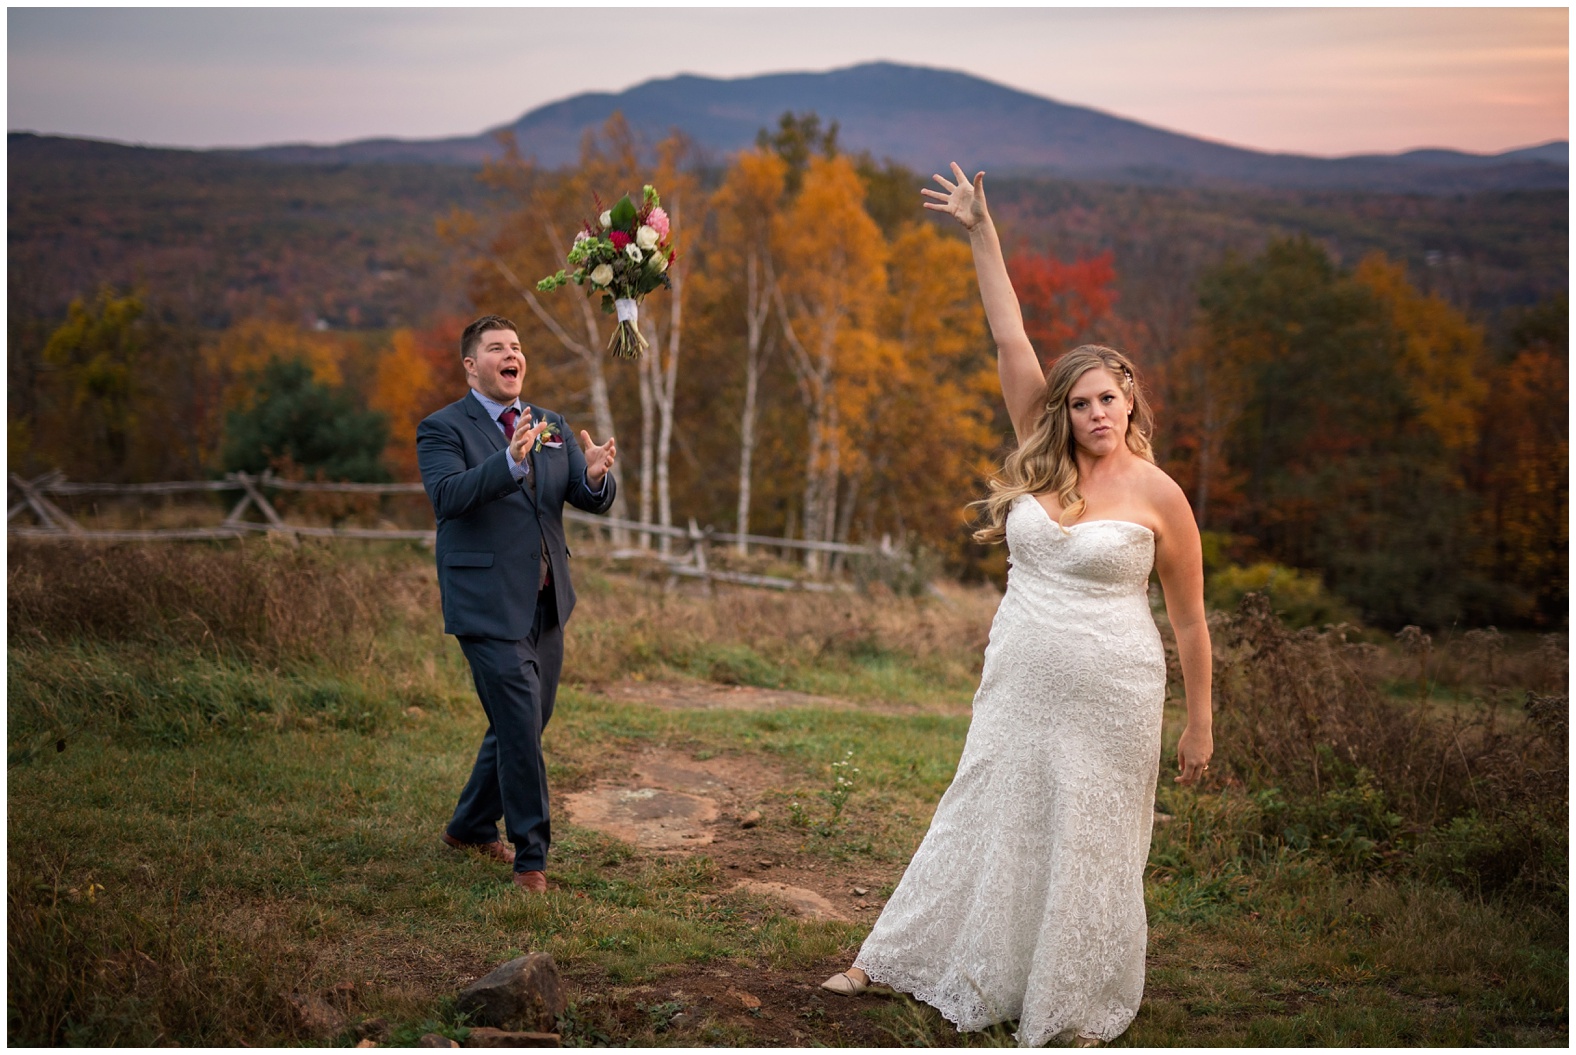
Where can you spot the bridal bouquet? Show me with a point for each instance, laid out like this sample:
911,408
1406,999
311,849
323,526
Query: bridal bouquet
624,256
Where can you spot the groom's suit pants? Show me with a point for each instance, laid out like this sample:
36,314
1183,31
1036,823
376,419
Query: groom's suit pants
517,682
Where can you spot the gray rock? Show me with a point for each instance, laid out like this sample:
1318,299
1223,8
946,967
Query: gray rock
373,1029
436,1040
486,1037
524,993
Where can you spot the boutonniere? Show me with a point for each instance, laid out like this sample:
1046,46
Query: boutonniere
552,436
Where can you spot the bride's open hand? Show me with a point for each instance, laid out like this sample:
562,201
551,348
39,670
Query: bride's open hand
963,200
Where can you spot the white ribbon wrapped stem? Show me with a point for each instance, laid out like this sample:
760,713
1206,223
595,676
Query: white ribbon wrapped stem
628,310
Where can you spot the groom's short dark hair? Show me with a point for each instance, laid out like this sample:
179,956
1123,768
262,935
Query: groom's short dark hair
473,333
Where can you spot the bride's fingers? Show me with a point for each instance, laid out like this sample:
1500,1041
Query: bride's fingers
944,182
933,193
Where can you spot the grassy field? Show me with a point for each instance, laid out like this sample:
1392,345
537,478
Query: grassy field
228,766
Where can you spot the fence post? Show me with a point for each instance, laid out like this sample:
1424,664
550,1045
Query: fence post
698,549
49,514
255,497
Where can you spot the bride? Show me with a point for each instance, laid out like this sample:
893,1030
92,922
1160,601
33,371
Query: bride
1025,901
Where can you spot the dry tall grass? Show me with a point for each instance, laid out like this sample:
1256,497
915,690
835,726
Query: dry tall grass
1480,785
260,599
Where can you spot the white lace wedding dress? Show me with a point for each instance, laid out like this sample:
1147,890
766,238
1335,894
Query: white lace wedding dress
1026,899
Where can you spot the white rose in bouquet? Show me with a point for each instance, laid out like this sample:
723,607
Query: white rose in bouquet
647,237
602,274
606,219
658,262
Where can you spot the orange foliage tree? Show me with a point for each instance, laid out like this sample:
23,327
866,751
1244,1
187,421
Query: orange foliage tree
829,288
419,372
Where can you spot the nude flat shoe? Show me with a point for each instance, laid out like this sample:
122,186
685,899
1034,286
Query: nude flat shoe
1082,1041
843,985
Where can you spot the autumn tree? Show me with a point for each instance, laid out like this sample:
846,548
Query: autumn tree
829,285
1522,469
417,373
124,396
1331,427
1061,300
1439,354
930,438
738,281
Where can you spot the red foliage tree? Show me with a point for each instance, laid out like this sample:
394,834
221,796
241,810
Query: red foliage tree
1061,301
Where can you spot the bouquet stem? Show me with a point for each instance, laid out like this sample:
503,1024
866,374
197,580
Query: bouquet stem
627,341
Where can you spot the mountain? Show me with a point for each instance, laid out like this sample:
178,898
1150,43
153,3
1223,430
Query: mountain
925,118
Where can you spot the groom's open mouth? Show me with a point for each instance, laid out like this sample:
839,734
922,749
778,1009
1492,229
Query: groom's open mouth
511,371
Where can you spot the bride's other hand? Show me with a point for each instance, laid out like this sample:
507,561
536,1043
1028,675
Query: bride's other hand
1193,751
963,200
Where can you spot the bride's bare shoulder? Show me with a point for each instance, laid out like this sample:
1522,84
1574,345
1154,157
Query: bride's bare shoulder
1162,493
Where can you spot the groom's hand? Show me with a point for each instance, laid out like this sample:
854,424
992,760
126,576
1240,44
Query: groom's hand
599,460
524,439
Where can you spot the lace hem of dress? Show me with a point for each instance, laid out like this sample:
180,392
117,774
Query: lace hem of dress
973,1017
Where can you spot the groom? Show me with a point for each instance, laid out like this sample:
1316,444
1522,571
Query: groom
498,472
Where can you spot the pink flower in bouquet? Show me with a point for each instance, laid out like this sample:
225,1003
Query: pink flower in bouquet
619,239
659,220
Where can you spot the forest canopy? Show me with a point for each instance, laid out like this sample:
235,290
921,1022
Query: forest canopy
1366,390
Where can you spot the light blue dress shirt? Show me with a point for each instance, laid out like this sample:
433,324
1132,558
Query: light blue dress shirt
522,469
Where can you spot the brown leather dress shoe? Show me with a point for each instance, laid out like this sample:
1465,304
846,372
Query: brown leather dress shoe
535,882
495,849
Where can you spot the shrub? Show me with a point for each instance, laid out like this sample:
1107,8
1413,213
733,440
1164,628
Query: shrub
1297,597
1356,770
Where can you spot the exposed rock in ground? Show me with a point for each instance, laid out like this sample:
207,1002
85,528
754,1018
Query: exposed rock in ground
524,993
745,1000
803,902
373,1029
648,817
436,1040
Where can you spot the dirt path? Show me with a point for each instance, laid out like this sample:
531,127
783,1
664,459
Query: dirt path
667,801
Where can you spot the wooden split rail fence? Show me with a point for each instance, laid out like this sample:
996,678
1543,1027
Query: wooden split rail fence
56,524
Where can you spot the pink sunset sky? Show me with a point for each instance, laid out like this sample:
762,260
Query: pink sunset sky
1325,81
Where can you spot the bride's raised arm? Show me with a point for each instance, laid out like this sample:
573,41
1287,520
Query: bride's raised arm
1022,380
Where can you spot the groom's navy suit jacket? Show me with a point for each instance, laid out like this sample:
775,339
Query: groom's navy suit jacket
491,528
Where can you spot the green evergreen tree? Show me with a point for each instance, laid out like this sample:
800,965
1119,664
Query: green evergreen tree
295,420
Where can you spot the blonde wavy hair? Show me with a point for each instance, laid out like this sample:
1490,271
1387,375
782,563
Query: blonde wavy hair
1045,462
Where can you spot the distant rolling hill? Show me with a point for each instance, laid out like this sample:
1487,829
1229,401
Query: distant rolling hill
925,118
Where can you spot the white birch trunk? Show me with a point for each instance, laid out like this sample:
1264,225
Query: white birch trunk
648,447
757,304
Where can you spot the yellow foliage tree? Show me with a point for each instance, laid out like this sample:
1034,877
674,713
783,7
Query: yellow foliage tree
929,437
238,355
739,263
830,285
1441,353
